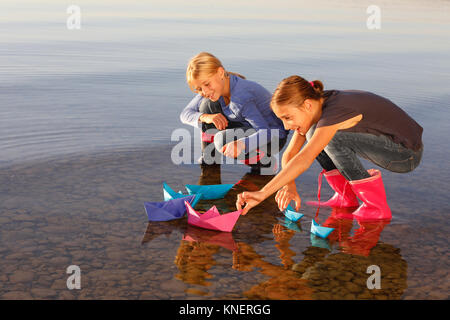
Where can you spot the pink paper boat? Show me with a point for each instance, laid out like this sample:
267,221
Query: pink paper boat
212,219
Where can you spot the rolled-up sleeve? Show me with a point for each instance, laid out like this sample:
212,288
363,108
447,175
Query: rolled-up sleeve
190,114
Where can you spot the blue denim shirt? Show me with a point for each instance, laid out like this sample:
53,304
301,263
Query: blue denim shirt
249,105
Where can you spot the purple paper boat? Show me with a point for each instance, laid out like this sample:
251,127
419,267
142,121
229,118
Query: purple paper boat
167,210
212,219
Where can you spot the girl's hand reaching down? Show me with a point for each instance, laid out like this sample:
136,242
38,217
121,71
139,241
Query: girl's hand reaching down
247,200
287,194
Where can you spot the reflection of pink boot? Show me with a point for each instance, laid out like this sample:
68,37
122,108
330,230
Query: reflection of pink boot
371,192
365,238
341,219
344,196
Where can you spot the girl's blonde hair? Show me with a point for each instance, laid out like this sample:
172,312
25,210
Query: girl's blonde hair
204,64
294,90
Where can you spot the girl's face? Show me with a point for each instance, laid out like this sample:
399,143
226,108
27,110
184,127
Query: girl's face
296,118
211,87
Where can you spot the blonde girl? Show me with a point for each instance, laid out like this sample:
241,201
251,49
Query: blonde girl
233,113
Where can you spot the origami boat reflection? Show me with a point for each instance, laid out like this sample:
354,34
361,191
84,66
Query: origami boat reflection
291,214
211,191
319,242
167,210
320,231
223,239
212,219
291,225
170,194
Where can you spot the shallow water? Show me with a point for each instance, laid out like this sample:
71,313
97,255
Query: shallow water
88,211
85,125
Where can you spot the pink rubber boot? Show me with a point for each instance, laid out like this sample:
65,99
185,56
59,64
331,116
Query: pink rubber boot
344,197
371,192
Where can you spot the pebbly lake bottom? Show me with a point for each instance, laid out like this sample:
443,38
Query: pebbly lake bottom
87,210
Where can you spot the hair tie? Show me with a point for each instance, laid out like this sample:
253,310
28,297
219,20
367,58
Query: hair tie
311,83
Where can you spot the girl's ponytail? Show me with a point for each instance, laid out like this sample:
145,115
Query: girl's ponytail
318,86
295,90
236,74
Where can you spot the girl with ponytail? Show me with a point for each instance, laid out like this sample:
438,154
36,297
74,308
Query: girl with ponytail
339,126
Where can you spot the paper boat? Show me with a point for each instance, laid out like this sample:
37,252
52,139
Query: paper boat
320,231
223,239
212,219
167,210
211,191
170,194
319,242
291,214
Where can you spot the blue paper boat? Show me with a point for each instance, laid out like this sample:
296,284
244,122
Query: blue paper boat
291,214
320,231
319,242
167,210
209,192
170,194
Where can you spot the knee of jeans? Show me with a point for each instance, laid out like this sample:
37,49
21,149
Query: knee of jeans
219,140
208,106
401,166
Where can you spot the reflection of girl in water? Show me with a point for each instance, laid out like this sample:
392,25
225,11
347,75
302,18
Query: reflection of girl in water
344,276
194,259
282,235
283,284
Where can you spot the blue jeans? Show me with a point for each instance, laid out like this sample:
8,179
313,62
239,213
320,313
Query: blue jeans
343,150
235,131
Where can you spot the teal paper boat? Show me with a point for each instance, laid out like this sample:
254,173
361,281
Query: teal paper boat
291,214
209,192
319,242
170,194
320,231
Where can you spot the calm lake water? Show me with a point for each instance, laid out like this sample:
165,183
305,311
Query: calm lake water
86,118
